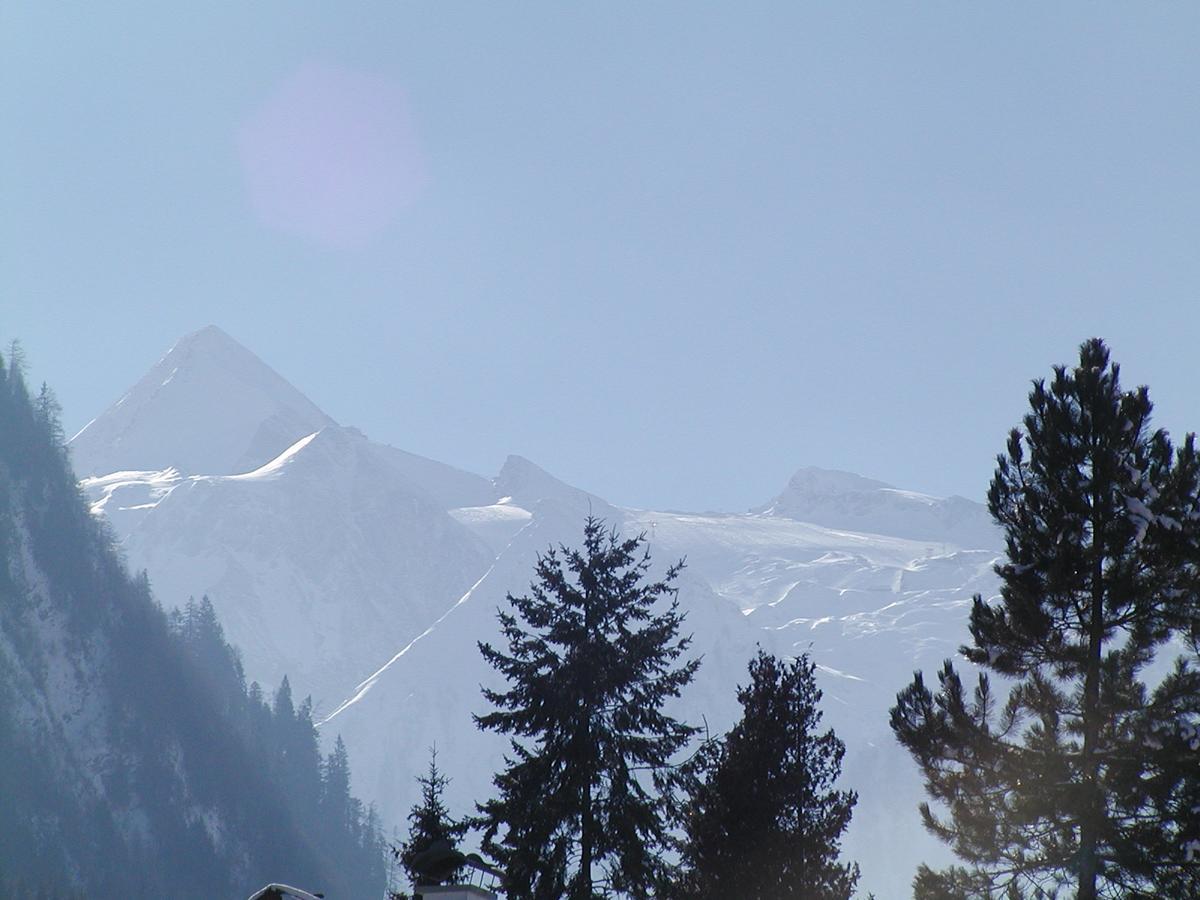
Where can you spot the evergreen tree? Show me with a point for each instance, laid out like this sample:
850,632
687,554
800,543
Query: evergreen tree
1084,778
766,822
282,707
590,663
294,739
16,367
217,664
336,804
48,411
430,823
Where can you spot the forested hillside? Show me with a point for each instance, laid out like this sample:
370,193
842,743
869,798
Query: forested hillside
134,759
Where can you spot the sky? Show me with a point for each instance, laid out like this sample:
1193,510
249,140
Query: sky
671,252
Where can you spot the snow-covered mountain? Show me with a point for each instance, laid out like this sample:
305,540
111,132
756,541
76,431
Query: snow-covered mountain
132,762
209,405
320,562
846,501
369,574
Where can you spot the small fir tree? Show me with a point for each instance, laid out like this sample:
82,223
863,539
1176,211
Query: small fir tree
766,822
581,810
1083,779
430,823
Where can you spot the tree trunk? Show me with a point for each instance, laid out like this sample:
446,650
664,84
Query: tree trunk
585,844
587,821
1090,814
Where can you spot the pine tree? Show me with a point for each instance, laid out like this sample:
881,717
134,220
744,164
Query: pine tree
335,805
766,822
16,366
48,411
282,708
216,663
1084,777
430,823
590,663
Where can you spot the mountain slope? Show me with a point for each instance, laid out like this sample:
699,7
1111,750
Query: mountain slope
867,607
426,693
319,562
320,549
121,775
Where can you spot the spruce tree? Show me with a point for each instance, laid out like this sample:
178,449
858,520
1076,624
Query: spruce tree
581,805
430,823
16,366
217,664
336,805
1083,779
766,822
48,411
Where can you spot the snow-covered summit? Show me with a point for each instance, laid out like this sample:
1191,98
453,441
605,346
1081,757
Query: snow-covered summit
208,406
847,501
526,484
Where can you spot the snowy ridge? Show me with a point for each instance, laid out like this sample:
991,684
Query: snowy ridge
272,469
132,491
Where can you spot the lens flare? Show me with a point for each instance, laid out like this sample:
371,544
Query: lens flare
331,156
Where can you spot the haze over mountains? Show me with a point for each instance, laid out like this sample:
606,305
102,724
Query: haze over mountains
134,761
368,574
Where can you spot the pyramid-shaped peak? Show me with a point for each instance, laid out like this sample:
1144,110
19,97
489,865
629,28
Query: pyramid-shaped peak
209,406
211,344
209,334
209,339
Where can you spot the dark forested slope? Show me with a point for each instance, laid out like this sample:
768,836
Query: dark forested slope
134,760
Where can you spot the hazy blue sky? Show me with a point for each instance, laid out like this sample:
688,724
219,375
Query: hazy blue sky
669,251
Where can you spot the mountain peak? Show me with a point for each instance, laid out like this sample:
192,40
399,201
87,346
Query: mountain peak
832,481
528,484
208,332
209,339
210,344
208,406
844,500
